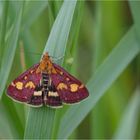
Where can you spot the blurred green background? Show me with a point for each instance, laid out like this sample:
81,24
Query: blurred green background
102,50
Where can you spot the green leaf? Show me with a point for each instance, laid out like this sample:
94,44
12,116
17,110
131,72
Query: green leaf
9,50
4,123
61,31
7,60
32,11
135,6
10,113
129,121
105,75
3,28
40,121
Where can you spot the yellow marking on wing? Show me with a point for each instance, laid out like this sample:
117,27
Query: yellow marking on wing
61,86
61,72
37,93
54,94
53,70
81,86
31,71
74,87
19,85
30,84
25,77
67,79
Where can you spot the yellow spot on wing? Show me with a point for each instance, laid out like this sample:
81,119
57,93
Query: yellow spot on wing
31,71
37,93
19,85
67,79
25,77
74,87
30,84
54,94
53,70
61,86
61,72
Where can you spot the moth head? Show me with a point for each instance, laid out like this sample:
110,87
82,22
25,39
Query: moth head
46,65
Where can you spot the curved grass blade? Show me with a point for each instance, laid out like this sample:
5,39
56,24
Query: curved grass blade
129,121
3,28
9,51
105,75
40,121
8,56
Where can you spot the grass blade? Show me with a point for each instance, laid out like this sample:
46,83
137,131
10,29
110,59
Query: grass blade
135,6
105,75
9,52
15,122
4,123
129,119
32,11
61,32
3,28
40,121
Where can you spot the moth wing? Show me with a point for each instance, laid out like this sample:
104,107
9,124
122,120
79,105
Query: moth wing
23,87
68,87
52,98
54,102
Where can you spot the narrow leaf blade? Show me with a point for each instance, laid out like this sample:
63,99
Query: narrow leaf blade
36,128
9,52
128,123
105,75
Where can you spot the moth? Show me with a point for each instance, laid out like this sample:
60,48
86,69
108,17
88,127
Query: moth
46,83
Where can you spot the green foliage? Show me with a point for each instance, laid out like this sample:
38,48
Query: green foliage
98,42
100,82
55,45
